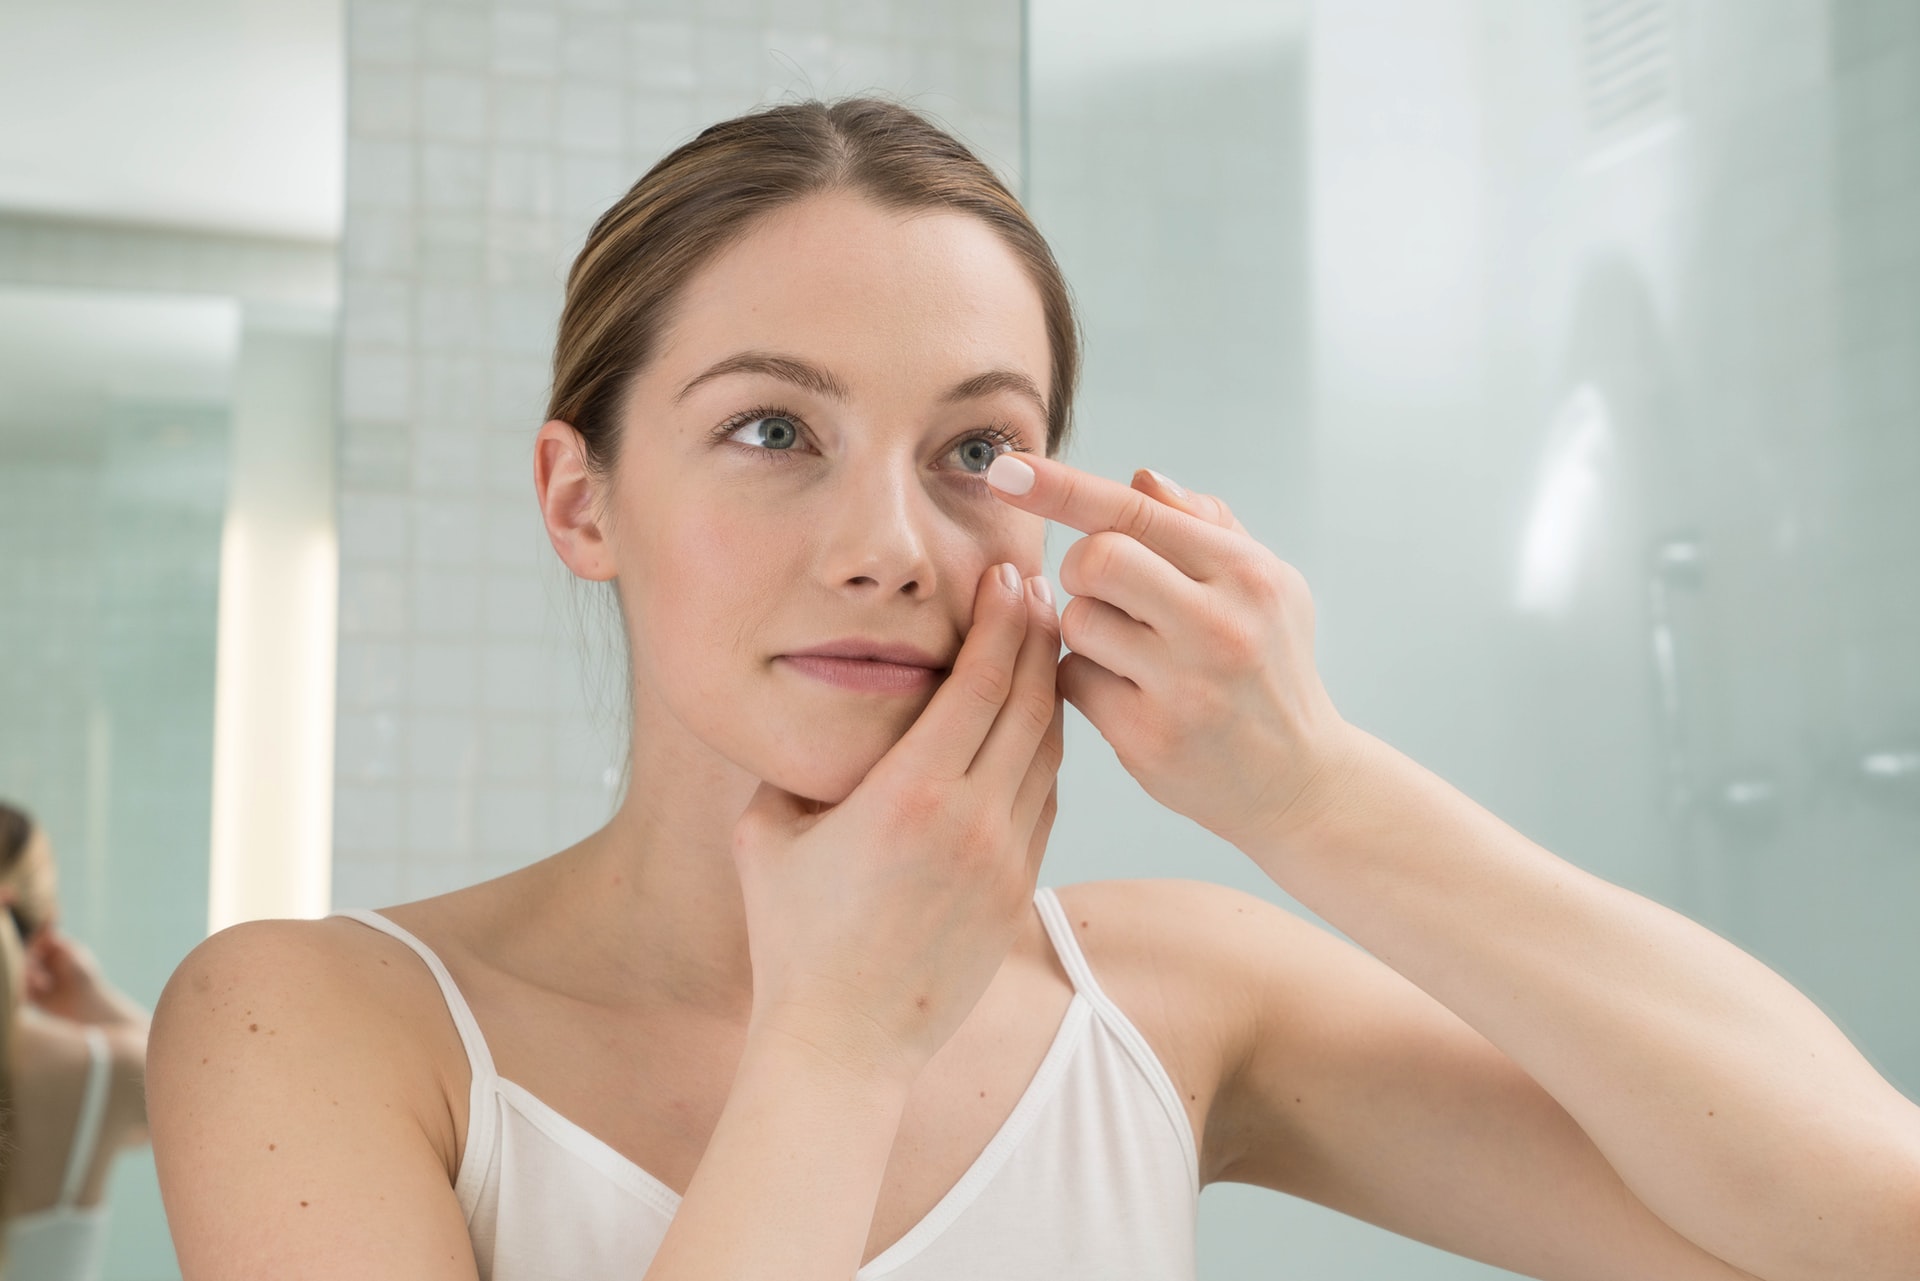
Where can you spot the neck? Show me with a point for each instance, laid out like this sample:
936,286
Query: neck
652,899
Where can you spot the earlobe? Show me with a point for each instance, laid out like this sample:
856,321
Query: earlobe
569,495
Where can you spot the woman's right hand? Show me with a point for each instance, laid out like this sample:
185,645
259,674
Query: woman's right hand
874,926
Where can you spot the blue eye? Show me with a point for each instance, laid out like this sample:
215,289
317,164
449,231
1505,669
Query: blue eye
779,435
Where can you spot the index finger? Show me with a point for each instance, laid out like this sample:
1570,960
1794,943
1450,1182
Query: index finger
1198,548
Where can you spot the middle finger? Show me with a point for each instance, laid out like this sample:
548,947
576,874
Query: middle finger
1132,578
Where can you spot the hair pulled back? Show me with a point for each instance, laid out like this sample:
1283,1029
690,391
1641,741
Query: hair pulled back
712,191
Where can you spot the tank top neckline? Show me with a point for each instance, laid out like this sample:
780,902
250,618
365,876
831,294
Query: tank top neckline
1086,1002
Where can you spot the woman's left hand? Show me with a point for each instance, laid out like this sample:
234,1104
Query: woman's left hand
1192,650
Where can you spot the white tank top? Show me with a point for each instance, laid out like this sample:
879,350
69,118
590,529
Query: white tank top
63,1242
1094,1174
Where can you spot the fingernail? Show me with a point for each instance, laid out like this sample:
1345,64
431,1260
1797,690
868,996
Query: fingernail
1041,588
1170,486
1010,576
1010,475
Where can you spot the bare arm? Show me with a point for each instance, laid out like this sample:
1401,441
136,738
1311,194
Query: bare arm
290,1117
789,1181
1727,1102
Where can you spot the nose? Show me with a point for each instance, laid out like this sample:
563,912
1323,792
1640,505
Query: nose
875,536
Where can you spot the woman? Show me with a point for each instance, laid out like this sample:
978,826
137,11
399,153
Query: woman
71,1053
802,1007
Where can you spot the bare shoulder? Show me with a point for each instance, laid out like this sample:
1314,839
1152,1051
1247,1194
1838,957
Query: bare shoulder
297,1111
1190,963
348,1000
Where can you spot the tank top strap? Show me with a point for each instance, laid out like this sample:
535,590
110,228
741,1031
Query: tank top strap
1054,915
479,1058
93,1108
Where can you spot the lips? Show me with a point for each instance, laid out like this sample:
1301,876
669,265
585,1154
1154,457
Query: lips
869,666
894,652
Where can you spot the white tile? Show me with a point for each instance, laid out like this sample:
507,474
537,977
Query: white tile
442,747
376,311
379,174
367,746
439,821
515,677
593,47
370,673
579,812
365,879
366,816
517,386
522,110
522,320
452,247
512,822
517,605
662,54
373,599
526,42
441,675
373,527
591,184
380,102
446,459
446,602
455,36
452,318
453,176
592,118
377,244
728,60
453,107
515,749
870,19
522,181
376,384
379,32
452,389
517,537
582,753
446,530
508,462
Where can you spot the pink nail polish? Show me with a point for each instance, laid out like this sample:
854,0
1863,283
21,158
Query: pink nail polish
1010,475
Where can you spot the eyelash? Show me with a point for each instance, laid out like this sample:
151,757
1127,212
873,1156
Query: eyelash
1000,434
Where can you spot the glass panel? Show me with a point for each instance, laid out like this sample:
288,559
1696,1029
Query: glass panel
1571,349
113,484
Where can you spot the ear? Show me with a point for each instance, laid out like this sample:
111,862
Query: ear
570,497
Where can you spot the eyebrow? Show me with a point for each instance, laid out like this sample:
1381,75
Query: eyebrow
822,382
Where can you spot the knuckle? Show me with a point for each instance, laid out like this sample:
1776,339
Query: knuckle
990,683
919,804
1035,710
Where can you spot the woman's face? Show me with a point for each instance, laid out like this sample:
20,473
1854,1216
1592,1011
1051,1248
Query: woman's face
753,515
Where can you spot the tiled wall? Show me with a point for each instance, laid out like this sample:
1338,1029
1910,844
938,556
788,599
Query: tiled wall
480,714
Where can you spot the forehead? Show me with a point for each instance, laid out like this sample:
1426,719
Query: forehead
868,292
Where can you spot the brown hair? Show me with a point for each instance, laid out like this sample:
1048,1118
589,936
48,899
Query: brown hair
710,192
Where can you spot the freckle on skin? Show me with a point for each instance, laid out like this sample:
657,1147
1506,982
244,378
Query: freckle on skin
1083,925
983,1094
922,1003
303,1205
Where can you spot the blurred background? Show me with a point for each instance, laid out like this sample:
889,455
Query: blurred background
1570,348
